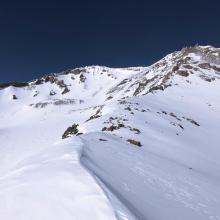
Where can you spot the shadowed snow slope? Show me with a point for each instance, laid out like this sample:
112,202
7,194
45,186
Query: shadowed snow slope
147,145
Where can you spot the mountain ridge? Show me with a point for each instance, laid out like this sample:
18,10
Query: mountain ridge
147,136
208,50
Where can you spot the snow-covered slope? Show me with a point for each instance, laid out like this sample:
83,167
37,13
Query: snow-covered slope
147,144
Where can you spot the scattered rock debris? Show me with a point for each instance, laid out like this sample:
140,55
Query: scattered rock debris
207,78
192,121
113,127
177,124
96,115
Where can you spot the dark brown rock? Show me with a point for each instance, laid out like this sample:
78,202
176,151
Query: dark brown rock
82,78
14,97
70,131
137,143
183,73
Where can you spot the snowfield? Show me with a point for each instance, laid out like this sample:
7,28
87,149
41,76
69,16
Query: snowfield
147,142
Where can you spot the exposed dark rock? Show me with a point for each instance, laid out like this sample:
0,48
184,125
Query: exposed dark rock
128,108
122,82
36,94
183,73
173,115
61,84
192,121
52,93
154,88
122,102
96,115
208,66
70,131
101,139
207,78
111,128
41,104
78,71
50,78
137,143
176,124
110,97
188,66
39,81
120,125
66,90
82,78
175,68
137,131
181,126
14,97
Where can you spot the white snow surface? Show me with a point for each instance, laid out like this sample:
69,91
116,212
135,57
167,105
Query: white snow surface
174,112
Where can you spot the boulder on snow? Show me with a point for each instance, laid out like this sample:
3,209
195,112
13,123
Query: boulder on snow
137,143
14,97
70,131
52,93
82,78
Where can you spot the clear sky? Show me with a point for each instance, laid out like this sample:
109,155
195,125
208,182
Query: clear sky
39,37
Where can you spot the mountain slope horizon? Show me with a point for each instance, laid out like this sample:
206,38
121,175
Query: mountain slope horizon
69,69
114,143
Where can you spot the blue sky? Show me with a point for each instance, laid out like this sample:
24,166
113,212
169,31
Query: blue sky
39,37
